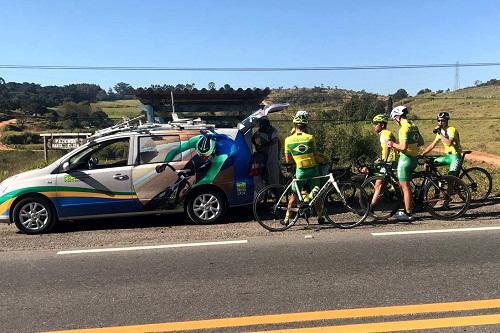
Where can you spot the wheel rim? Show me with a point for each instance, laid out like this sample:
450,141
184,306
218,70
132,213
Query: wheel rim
206,207
34,216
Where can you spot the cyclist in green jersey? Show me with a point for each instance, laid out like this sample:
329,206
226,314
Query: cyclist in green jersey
379,123
300,148
451,142
409,141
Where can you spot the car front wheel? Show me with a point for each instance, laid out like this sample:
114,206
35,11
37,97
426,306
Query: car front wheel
206,207
34,215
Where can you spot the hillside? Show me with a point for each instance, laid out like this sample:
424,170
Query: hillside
475,112
121,108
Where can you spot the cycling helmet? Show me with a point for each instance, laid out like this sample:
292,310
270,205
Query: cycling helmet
205,146
301,118
380,118
399,111
443,116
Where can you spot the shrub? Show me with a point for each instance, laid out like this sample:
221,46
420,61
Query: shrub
347,141
20,138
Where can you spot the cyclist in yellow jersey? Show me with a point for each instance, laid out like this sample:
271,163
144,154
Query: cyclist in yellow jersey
379,123
451,142
409,142
300,148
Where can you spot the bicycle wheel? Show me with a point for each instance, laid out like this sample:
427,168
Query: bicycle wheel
389,199
446,197
269,208
478,181
347,210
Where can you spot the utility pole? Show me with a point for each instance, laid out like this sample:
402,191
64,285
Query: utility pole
457,76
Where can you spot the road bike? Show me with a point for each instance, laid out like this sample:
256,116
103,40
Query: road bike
445,197
173,194
477,179
343,204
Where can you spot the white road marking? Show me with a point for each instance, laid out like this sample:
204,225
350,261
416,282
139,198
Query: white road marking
153,247
433,231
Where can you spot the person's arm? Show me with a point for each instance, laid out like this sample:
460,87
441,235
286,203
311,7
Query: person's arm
288,156
185,145
429,147
398,146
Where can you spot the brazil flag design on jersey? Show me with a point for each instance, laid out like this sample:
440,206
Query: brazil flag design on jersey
301,147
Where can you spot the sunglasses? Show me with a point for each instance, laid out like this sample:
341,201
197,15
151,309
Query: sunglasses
441,121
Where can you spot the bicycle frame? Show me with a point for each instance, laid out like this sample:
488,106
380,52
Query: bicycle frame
330,182
429,174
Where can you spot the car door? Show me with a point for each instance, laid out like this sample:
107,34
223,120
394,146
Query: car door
99,181
150,184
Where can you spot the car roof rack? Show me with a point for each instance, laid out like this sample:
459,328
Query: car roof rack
136,125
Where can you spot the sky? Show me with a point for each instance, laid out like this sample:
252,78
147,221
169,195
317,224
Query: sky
220,33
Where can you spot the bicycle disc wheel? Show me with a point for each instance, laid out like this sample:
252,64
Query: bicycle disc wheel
389,199
446,197
269,208
478,181
347,210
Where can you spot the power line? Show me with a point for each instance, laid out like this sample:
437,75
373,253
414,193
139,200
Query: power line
246,69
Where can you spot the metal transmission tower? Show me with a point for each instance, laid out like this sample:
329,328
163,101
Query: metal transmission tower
457,76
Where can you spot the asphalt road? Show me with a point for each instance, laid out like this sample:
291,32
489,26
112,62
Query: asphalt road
297,271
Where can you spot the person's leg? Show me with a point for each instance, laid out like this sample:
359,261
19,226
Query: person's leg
292,201
454,164
405,188
406,165
376,192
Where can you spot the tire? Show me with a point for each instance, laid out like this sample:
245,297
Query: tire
479,182
269,210
390,198
449,192
206,206
347,210
34,215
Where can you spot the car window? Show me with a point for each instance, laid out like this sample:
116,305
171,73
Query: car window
159,149
107,154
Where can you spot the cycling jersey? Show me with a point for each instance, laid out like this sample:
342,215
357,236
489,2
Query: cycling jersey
386,135
301,147
409,133
450,133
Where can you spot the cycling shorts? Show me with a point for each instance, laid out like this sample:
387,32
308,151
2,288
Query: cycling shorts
452,161
406,165
304,176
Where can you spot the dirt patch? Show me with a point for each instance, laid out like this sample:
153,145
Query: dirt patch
2,125
478,156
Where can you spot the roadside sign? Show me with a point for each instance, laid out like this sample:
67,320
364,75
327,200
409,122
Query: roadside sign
62,141
65,143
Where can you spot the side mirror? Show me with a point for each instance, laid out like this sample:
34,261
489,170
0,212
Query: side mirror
65,166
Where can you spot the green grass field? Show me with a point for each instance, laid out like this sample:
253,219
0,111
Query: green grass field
15,161
475,112
121,108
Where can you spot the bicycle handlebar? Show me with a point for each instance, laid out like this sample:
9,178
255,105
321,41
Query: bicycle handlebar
160,168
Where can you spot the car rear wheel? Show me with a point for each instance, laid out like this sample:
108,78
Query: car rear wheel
34,215
206,207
